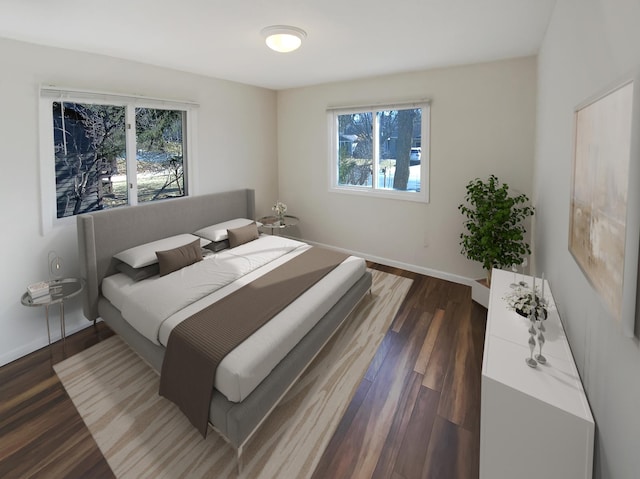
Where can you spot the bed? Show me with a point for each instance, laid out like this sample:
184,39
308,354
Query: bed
236,408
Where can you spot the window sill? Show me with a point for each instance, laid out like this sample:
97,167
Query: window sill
417,197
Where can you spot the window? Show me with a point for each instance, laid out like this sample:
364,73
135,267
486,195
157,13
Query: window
103,151
382,151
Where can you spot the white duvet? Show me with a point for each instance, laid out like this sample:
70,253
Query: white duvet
155,305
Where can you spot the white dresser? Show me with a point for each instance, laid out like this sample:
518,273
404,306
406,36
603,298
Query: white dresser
534,423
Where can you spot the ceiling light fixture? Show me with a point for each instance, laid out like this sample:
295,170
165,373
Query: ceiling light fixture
283,38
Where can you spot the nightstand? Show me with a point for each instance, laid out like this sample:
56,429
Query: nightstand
274,224
59,290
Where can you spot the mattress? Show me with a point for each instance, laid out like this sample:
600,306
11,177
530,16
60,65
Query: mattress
156,305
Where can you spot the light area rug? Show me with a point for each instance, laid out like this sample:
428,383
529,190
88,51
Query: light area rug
144,435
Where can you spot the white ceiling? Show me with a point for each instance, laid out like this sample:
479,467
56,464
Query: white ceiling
346,39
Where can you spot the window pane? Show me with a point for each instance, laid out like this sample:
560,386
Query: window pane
159,156
89,145
355,149
400,149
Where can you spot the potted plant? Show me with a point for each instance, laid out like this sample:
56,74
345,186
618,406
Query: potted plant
494,233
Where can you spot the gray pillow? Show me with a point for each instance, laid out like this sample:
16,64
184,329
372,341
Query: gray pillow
218,232
242,235
216,246
138,274
177,258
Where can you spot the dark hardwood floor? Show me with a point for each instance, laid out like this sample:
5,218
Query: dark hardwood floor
416,413
41,433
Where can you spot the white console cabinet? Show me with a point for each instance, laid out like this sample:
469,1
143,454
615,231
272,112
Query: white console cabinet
535,422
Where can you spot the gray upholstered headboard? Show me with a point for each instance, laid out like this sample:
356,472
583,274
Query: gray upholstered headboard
105,233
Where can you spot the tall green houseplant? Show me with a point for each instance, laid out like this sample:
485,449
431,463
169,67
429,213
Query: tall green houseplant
494,233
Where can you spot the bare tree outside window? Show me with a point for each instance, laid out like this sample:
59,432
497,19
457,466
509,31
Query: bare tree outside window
88,140
90,156
159,143
403,148
356,148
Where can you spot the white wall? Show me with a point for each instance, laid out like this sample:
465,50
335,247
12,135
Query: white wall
236,148
482,123
590,44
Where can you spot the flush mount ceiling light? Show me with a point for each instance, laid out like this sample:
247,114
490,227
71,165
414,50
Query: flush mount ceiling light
283,38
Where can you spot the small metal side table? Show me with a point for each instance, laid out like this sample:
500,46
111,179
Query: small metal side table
60,290
274,224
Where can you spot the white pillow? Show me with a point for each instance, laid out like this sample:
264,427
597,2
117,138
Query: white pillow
145,254
218,232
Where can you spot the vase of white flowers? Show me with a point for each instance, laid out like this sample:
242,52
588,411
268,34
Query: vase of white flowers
279,209
524,301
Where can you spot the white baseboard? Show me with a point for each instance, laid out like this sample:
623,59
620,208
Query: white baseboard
479,292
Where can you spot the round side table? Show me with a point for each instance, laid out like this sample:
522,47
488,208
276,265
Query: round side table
274,224
59,291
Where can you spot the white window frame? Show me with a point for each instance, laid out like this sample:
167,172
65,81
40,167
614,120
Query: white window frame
421,196
49,95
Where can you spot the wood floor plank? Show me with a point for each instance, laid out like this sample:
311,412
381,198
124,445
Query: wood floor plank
413,451
17,401
453,452
429,342
458,293
381,354
393,443
436,295
391,270
443,350
412,302
428,297
459,389
478,328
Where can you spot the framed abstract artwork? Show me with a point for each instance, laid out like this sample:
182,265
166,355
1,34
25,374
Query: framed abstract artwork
605,203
